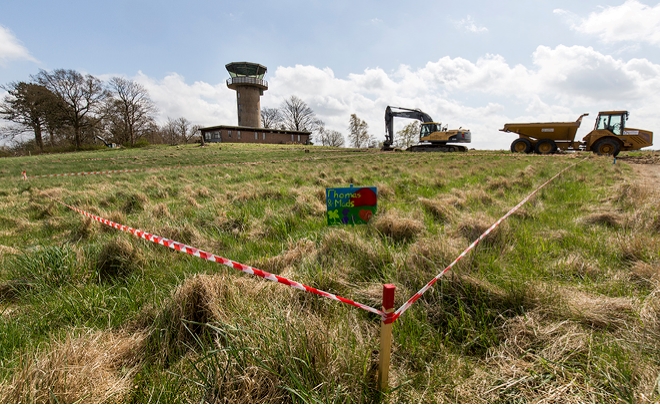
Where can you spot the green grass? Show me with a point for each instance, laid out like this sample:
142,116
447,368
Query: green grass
559,304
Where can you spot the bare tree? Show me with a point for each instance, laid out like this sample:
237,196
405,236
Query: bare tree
179,130
271,117
130,110
32,107
83,95
297,116
329,137
408,135
358,132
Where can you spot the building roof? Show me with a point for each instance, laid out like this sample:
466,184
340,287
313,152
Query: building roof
271,130
613,112
246,69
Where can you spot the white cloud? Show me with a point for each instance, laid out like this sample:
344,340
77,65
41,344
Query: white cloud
468,24
200,102
11,48
560,84
631,21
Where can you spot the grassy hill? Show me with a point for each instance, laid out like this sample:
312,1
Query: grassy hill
559,304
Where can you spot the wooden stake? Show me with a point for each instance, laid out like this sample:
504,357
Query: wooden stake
385,338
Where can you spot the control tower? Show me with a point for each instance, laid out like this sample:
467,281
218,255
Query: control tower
247,79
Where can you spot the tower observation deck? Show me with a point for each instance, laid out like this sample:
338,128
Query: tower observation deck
247,79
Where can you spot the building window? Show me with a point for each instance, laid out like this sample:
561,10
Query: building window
292,138
207,136
256,136
238,135
298,138
216,135
229,134
263,136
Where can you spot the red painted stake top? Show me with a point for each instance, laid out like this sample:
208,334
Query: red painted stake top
388,296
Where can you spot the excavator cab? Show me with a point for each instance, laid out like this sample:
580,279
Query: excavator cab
428,128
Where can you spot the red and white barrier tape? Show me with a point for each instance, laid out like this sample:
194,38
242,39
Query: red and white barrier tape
227,262
396,314
83,173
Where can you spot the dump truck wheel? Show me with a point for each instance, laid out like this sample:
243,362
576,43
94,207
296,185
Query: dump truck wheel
607,147
521,145
546,146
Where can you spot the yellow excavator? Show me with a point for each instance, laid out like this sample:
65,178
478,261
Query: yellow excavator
433,137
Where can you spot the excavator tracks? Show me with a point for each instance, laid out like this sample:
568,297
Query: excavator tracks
437,148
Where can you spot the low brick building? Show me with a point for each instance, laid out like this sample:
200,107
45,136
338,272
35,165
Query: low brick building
225,133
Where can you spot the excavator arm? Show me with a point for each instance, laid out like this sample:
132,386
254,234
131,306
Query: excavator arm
415,114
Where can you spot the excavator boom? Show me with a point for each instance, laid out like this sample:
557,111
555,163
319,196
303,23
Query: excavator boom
433,136
415,114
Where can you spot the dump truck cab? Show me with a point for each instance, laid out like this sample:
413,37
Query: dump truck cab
611,135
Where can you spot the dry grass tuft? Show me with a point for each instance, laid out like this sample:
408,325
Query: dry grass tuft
532,349
649,313
118,259
428,256
473,227
499,183
51,193
385,191
297,252
115,216
8,250
455,198
576,266
480,196
440,210
599,312
160,210
645,273
134,202
203,192
631,194
97,367
199,300
635,247
234,224
346,253
308,203
183,233
87,228
610,219
397,227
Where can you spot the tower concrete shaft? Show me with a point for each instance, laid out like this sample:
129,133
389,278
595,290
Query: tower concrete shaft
247,80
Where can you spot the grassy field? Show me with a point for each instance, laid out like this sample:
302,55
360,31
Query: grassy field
559,304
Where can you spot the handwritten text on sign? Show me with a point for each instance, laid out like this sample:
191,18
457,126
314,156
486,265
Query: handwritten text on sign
350,205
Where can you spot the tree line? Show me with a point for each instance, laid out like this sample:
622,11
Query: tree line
295,115
64,108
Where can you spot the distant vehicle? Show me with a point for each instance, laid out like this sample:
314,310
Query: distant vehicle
433,137
609,136
106,143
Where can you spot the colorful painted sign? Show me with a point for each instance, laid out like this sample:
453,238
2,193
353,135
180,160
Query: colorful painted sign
350,205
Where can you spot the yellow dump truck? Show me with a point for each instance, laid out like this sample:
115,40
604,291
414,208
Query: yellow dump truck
609,136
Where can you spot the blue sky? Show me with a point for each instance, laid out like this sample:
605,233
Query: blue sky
476,64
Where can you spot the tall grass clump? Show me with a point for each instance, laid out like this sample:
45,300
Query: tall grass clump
46,267
118,259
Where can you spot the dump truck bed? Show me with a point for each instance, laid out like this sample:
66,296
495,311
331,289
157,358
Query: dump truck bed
557,131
